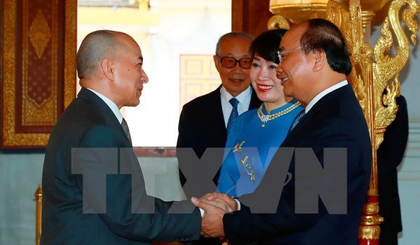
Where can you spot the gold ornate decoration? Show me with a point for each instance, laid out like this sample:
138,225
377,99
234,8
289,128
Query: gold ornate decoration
375,78
370,233
278,22
387,68
39,109
372,220
249,168
295,11
11,138
371,208
238,147
70,52
39,33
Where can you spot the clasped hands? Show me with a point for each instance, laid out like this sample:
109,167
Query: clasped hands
215,205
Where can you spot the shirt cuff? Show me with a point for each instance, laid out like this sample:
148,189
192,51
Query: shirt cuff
238,203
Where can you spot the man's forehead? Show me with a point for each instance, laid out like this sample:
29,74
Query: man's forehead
292,37
236,40
235,45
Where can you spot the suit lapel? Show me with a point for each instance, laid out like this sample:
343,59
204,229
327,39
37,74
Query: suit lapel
216,119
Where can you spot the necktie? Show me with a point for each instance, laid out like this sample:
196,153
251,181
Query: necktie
126,130
234,114
297,120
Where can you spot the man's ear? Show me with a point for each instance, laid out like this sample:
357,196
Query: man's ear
320,60
107,67
216,62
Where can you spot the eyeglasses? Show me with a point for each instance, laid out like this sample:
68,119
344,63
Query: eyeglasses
282,53
230,62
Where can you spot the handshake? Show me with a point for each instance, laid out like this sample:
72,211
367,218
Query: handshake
214,205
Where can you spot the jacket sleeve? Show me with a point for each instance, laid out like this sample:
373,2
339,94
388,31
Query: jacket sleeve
113,187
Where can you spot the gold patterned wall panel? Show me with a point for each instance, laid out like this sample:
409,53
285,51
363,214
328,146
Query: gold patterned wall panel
198,76
38,82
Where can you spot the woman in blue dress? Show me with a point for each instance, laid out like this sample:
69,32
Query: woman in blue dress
256,134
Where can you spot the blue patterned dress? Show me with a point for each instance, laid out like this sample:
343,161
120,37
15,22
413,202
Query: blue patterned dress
250,148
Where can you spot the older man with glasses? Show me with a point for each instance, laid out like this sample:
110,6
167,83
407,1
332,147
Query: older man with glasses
205,121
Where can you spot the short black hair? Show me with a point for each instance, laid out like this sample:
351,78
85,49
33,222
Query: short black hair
267,44
323,35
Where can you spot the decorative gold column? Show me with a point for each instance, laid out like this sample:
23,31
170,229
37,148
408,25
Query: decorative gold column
375,78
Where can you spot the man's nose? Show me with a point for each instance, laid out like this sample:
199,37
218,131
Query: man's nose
144,77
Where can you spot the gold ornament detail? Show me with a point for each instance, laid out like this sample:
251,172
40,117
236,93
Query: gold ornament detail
11,138
39,33
372,219
38,207
298,11
369,232
70,52
249,168
278,22
386,69
39,111
238,147
372,208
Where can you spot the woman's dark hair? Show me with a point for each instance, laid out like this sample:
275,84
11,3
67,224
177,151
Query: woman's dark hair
267,44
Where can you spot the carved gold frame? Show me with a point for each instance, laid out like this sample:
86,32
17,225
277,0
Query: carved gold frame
11,139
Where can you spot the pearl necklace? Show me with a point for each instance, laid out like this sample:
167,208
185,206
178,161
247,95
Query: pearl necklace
265,118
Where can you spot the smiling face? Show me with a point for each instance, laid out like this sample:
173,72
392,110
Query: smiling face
129,74
264,81
236,79
296,68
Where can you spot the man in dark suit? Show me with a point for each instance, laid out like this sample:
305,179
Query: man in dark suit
390,154
93,186
314,62
203,122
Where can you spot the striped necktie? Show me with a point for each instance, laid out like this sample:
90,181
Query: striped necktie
234,114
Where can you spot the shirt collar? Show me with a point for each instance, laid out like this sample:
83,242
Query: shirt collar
242,97
325,92
110,104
